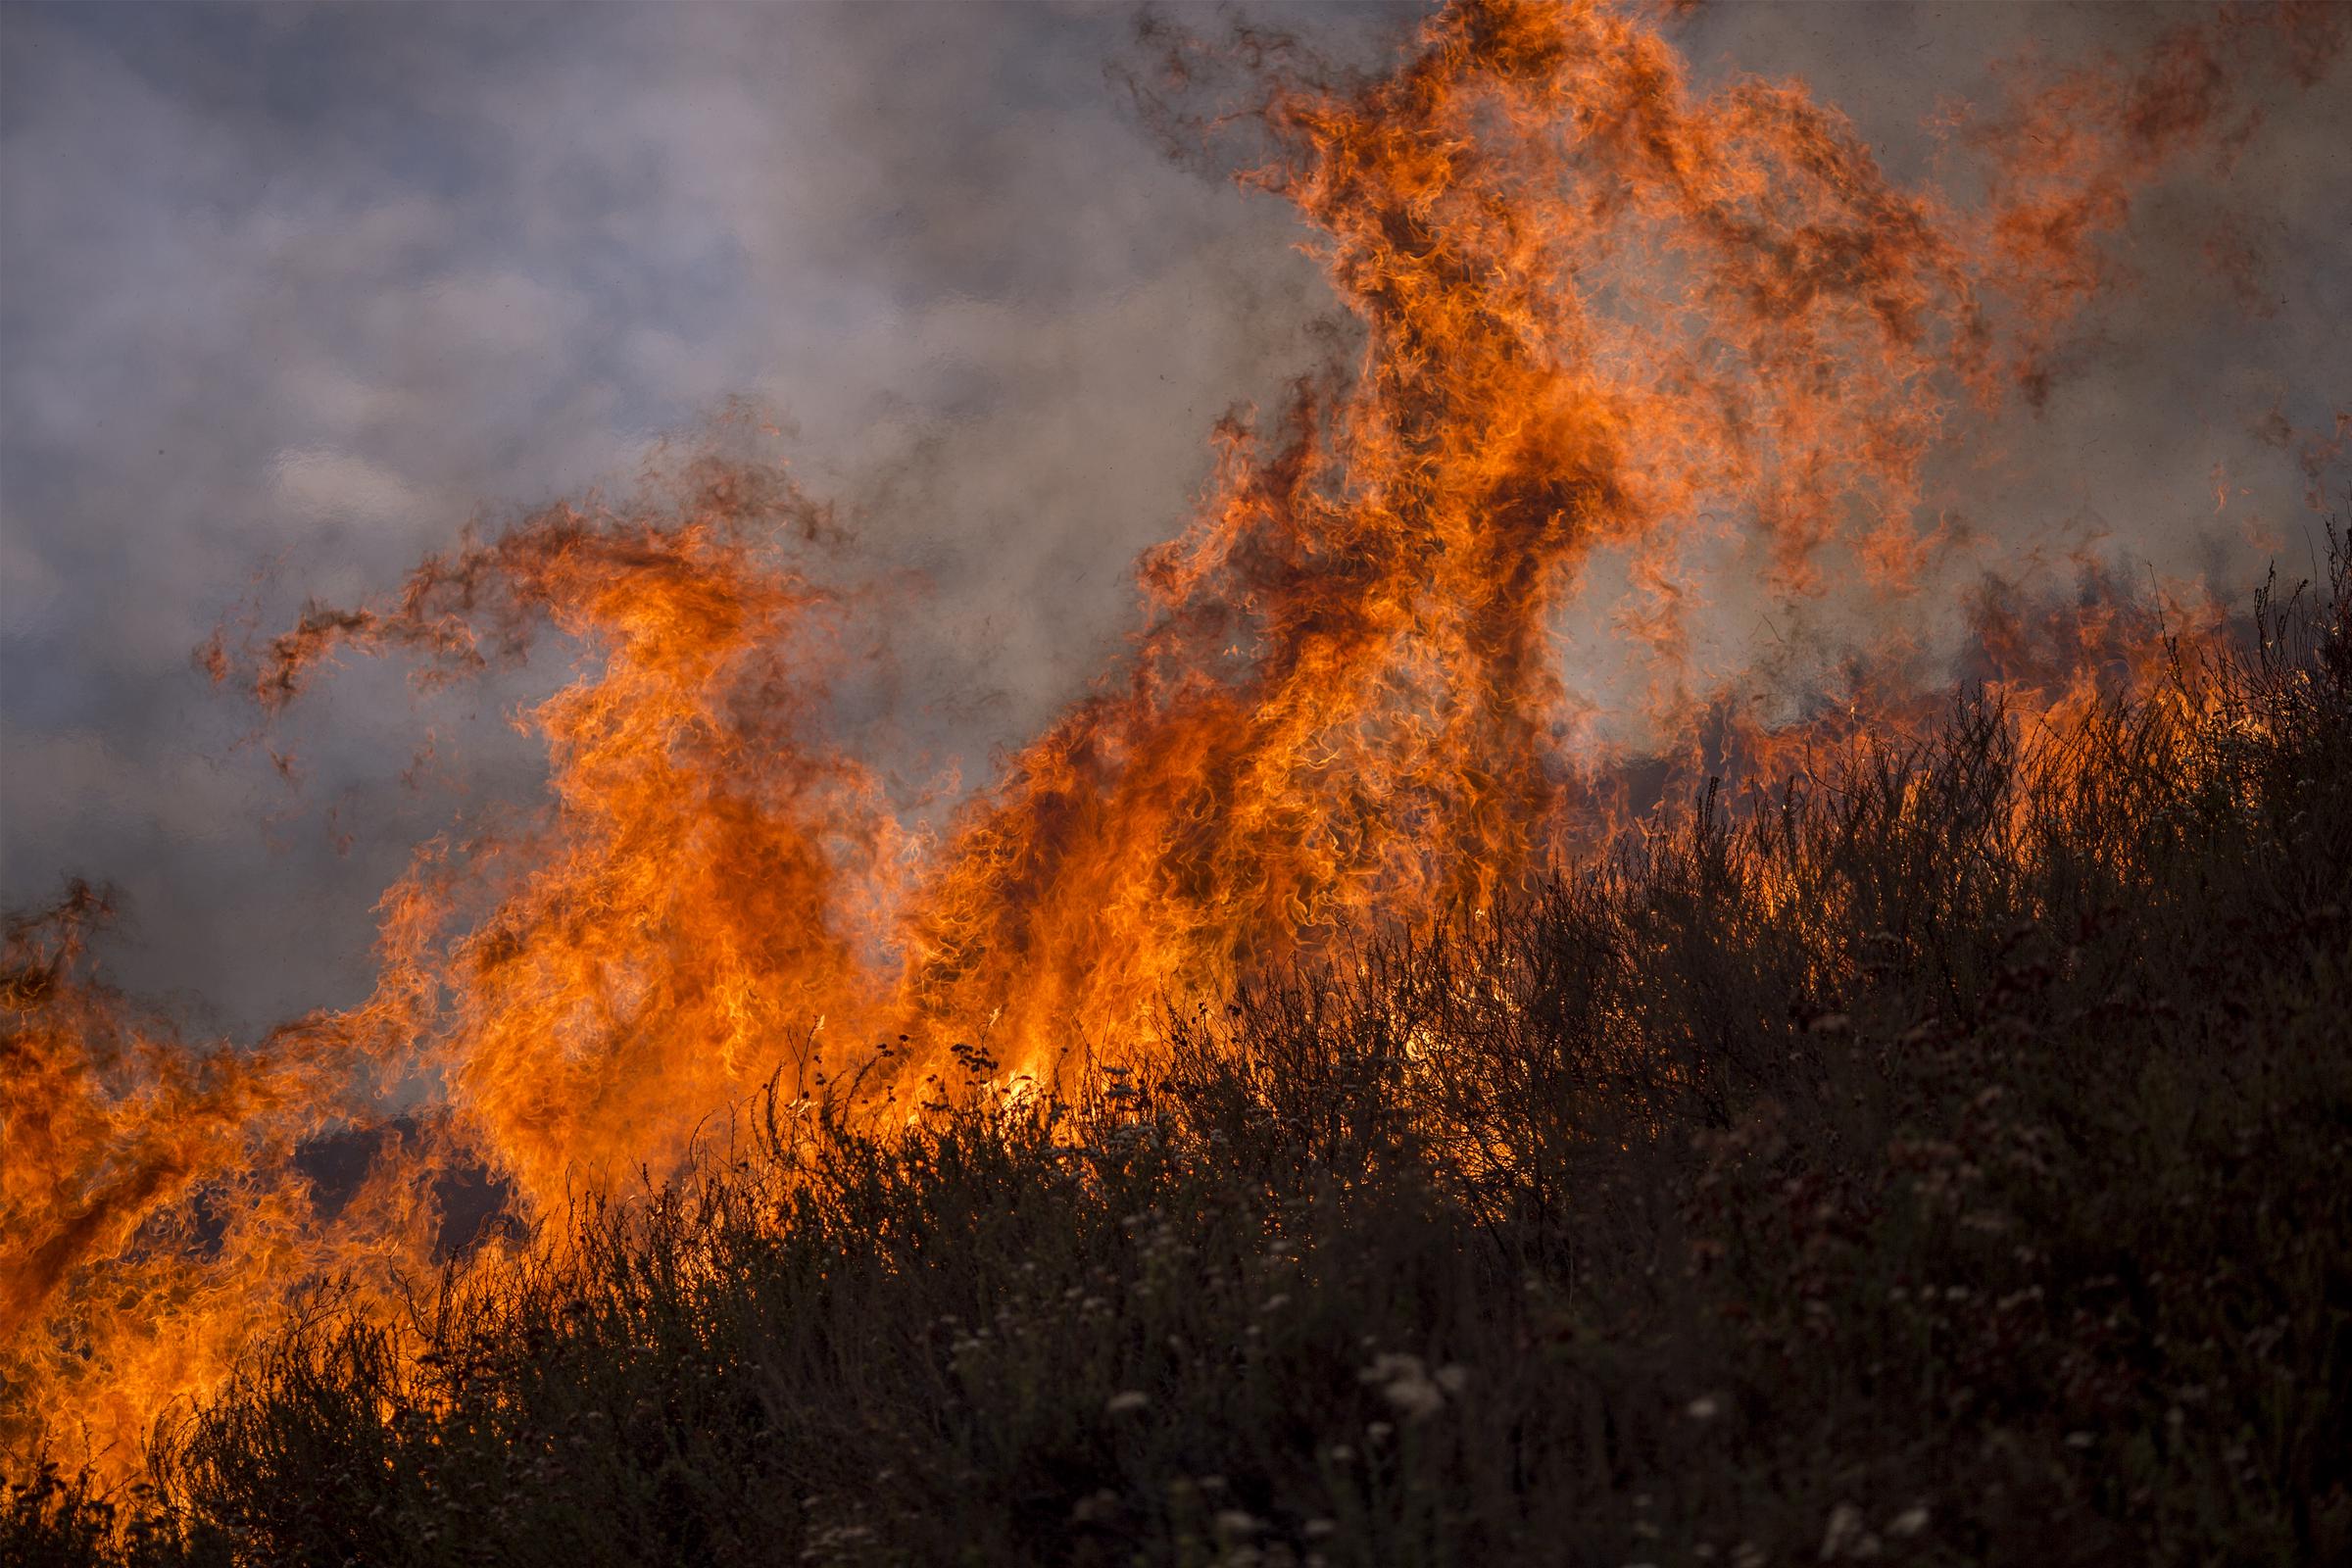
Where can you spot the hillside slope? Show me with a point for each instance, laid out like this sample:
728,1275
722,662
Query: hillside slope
1940,1162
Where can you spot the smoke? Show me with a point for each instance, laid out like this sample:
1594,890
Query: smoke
301,291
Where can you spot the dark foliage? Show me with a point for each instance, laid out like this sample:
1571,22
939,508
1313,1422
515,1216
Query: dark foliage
1943,1163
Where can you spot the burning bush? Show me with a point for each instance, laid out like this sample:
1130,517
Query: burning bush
1337,1099
1941,1165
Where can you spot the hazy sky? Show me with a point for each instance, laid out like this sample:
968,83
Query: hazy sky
291,293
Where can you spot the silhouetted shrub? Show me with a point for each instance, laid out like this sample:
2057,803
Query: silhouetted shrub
1943,1163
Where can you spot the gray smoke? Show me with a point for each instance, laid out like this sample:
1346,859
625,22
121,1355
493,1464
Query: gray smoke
291,294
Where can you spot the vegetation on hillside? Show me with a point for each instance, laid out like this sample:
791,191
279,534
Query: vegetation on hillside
1941,1163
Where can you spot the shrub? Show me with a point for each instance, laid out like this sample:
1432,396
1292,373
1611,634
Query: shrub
1939,1162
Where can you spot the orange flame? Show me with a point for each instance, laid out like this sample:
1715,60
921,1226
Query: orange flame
1603,317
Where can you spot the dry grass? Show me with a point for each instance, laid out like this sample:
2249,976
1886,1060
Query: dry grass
1946,1164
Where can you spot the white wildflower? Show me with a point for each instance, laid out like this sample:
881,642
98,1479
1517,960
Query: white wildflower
1845,1533
1404,1381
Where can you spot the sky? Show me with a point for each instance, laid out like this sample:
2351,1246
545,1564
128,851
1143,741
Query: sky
289,294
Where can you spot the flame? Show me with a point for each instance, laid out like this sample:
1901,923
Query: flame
1604,317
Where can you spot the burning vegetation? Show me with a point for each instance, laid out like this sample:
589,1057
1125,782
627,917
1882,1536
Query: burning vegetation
1338,1095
